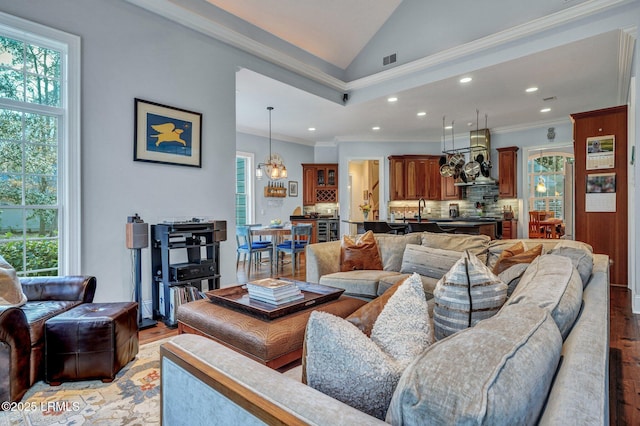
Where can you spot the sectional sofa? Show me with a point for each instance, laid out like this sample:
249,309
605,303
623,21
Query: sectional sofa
543,359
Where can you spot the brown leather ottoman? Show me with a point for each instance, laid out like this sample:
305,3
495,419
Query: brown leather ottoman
275,342
90,341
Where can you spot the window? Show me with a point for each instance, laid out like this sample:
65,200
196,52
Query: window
548,168
244,192
39,165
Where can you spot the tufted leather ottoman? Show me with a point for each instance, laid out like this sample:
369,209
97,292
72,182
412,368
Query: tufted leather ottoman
275,342
91,341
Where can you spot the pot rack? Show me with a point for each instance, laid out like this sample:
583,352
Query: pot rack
463,150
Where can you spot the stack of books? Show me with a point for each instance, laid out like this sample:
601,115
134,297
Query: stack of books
274,291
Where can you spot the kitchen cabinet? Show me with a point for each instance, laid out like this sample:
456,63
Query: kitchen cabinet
396,178
507,172
606,231
509,229
320,183
415,176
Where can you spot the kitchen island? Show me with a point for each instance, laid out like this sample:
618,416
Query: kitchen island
474,226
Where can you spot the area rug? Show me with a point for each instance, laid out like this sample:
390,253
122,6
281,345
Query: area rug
133,398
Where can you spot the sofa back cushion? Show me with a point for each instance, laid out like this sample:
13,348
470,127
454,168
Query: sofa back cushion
360,254
497,373
551,282
362,372
476,244
469,292
392,249
497,246
427,261
580,258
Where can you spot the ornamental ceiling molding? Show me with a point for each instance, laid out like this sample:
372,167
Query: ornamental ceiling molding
179,14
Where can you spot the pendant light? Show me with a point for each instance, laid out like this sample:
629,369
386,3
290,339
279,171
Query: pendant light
274,166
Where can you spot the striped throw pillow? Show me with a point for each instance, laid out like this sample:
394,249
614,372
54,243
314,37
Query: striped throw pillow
468,293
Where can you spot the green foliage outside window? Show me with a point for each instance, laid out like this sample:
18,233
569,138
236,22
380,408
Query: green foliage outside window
30,76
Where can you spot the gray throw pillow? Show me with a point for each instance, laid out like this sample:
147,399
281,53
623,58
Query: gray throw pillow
362,372
580,258
511,276
427,261
553,283
468,293
496,373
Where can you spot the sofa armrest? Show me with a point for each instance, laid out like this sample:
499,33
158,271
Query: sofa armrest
225,387
70,287
15,351
322,259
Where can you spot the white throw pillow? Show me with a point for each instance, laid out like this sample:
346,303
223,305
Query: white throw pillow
362,372
10,289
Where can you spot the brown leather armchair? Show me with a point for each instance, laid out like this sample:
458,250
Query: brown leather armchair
22,328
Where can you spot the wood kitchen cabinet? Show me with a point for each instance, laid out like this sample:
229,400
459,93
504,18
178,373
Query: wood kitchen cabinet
415,176
320,183
507,172
509,229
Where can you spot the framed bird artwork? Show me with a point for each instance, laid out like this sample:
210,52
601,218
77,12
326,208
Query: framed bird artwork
168,135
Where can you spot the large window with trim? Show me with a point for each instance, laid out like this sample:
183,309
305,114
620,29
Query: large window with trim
37,196
244,188
546,171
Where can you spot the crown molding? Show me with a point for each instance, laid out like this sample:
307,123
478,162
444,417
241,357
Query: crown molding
274,136
176,13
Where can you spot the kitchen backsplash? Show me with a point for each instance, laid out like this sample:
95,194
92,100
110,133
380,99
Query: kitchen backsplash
466,208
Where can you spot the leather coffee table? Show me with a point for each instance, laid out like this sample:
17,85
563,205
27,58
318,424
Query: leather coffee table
275,343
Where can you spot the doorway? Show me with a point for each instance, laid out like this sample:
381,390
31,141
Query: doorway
365,189
548,183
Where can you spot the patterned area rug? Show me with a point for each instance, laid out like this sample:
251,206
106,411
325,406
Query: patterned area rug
133,398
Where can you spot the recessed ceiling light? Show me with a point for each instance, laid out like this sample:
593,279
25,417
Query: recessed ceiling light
545,110
448,127
421,114
465,79
392,99
312,129
531,89
375,128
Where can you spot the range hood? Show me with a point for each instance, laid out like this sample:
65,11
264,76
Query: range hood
479,149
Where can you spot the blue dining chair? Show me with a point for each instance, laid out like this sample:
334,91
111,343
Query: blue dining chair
246,246
300,237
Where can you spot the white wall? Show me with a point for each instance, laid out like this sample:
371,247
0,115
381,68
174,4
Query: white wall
129,53
293,155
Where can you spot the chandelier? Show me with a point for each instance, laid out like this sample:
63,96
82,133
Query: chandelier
274,166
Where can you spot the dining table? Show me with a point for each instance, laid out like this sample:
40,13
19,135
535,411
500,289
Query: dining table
276,232
551,226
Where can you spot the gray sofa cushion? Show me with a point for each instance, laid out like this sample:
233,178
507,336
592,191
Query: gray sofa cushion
476,244
580,258
553,283
391,249
452,304
344,363
506,383
362,283
428,261
428,283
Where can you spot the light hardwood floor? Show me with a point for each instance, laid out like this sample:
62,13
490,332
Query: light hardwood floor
624,341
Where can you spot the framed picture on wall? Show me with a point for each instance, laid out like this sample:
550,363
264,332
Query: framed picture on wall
168,135
293,188
601,152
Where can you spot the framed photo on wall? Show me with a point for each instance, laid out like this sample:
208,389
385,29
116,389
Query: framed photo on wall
167,135
293,188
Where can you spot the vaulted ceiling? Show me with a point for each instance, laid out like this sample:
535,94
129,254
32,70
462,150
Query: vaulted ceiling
340,45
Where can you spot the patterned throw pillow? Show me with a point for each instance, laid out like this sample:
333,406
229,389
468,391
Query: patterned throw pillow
361,254
362,372
515,255
10,289
468,293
